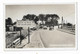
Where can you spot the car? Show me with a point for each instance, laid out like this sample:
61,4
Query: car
44,27
41,26
51,27
34,28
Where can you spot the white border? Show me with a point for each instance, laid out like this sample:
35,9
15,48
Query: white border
44,49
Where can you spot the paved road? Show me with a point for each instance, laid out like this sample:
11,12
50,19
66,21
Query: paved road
51,39
55,38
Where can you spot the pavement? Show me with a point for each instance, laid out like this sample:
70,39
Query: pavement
34,43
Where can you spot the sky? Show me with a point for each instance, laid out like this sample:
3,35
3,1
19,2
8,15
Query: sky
67,11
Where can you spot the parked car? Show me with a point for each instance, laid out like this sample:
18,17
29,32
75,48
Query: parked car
34,28
45,27
41,26
51,27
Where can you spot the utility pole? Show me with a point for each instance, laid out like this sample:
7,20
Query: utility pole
62,23
20,37
28,35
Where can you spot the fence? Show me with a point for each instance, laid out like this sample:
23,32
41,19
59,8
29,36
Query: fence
12,41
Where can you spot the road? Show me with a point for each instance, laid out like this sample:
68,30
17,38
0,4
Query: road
56,38
48,39
51,39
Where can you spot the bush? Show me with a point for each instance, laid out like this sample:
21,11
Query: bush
69,24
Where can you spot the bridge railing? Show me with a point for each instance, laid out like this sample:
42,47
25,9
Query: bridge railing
14,43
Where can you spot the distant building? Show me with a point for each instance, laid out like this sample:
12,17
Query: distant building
25,24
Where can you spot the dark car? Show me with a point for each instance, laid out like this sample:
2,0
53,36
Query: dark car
45,27
34,28
51,27
41,26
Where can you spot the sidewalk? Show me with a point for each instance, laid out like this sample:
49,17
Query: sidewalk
24,42
34,43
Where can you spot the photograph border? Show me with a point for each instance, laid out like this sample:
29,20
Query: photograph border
43,49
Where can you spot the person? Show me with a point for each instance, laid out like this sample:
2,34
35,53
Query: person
21,38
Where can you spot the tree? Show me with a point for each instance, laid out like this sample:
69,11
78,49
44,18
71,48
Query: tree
36,19
53,19
24,17
41,17
55,16
47,16
29,17
69,24
33,17
8,22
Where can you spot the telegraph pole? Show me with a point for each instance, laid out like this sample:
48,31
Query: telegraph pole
28,35
20,37
62,23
